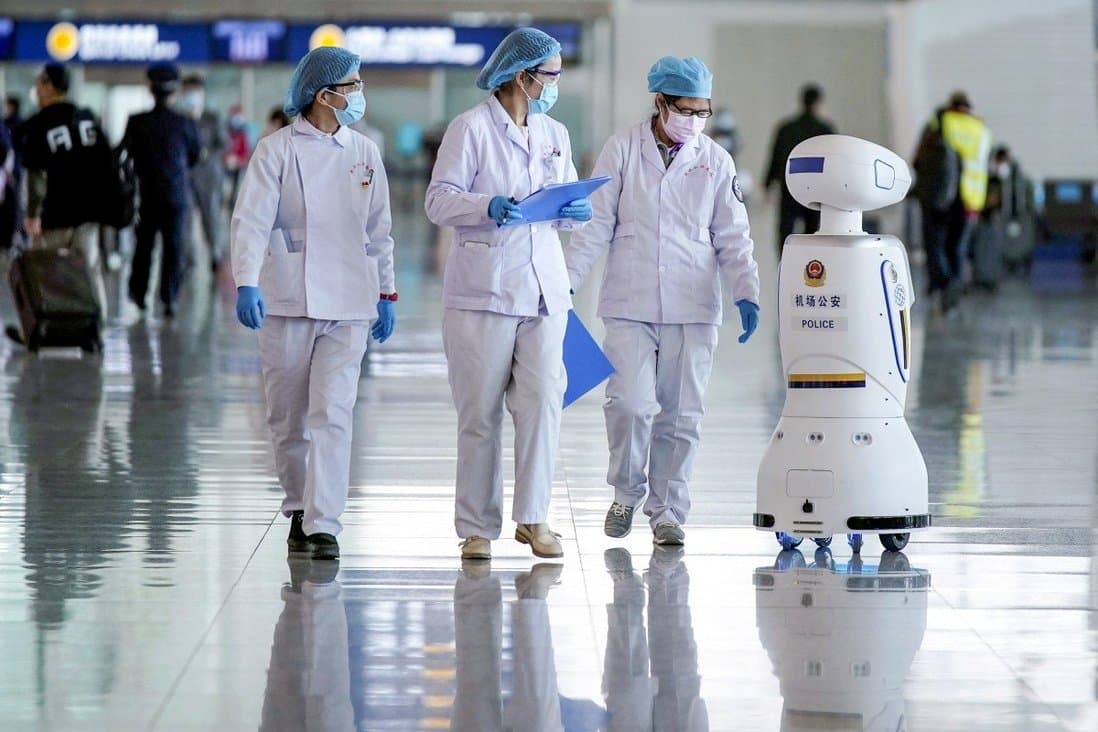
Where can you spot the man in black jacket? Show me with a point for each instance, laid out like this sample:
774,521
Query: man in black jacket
790,133
164,146
67,160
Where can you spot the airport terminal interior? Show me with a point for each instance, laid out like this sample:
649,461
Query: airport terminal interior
145,577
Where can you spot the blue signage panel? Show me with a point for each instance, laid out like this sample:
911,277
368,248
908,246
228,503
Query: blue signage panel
7,32
95,42
249,41
390,44
258,41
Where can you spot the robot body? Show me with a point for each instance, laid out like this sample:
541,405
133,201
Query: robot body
842,458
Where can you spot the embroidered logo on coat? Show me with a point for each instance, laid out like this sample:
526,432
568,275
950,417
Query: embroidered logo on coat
363,173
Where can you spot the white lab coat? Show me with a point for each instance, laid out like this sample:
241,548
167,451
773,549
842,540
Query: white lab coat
332,263
311,229
483,155
506,295
675,234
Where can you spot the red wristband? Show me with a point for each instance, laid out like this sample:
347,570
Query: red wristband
391,298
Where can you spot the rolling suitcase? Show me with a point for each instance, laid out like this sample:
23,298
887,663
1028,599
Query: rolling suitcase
987,257
56,301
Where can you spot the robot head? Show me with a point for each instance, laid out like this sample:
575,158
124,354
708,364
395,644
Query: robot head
845,173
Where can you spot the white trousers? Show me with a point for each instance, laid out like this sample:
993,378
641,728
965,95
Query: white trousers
654,411
494,359
310,371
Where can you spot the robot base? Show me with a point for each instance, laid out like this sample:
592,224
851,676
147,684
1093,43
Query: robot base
821,477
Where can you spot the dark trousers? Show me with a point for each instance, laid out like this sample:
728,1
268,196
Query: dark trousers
791,213
170,222
945,237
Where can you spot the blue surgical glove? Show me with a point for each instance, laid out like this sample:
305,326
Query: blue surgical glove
578,210
504,210
386,321
749,318
250,308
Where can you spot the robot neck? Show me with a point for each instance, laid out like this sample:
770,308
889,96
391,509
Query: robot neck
837,222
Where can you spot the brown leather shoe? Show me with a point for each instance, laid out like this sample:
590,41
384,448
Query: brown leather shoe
476,547
544,542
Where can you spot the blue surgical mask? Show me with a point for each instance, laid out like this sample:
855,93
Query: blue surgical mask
356,108
545,102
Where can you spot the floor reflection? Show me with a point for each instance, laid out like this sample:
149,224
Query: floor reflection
534,703
841,637
309,679
651,682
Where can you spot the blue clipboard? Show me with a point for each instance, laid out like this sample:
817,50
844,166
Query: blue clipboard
585,363
545,205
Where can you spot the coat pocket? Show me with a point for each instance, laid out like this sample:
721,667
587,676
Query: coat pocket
617,281
475,269
282,278
294,240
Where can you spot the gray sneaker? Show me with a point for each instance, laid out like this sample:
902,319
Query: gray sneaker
619,520
668,533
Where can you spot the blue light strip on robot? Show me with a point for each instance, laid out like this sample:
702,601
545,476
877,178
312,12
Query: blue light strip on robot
891,325
806,165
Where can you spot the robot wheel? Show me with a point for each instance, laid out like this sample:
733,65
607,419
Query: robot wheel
894,542
788,541
823,541
855,542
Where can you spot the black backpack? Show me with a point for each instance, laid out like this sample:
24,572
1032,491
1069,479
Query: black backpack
937,170
120,195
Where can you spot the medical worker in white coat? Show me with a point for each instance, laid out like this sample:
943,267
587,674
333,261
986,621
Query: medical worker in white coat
312,258
505,290
676,228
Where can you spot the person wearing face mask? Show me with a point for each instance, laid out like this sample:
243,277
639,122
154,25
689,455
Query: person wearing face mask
208,175
312,257
505,290
674,222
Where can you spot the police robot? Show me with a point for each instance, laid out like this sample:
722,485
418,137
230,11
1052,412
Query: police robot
842,458
841,639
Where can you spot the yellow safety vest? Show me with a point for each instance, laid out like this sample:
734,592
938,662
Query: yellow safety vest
971,139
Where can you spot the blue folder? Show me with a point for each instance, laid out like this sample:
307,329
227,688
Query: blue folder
545,205
585,363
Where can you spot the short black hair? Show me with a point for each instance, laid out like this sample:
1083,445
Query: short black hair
163,77
58,76
811,95
959,99
194,80
14,101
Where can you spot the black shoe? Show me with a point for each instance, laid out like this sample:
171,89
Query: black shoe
325,546
297,541
14,335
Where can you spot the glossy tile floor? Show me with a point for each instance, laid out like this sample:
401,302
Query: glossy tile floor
144,583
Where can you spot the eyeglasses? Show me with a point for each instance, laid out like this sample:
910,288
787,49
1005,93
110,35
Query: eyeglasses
699,113
552,77
355,85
